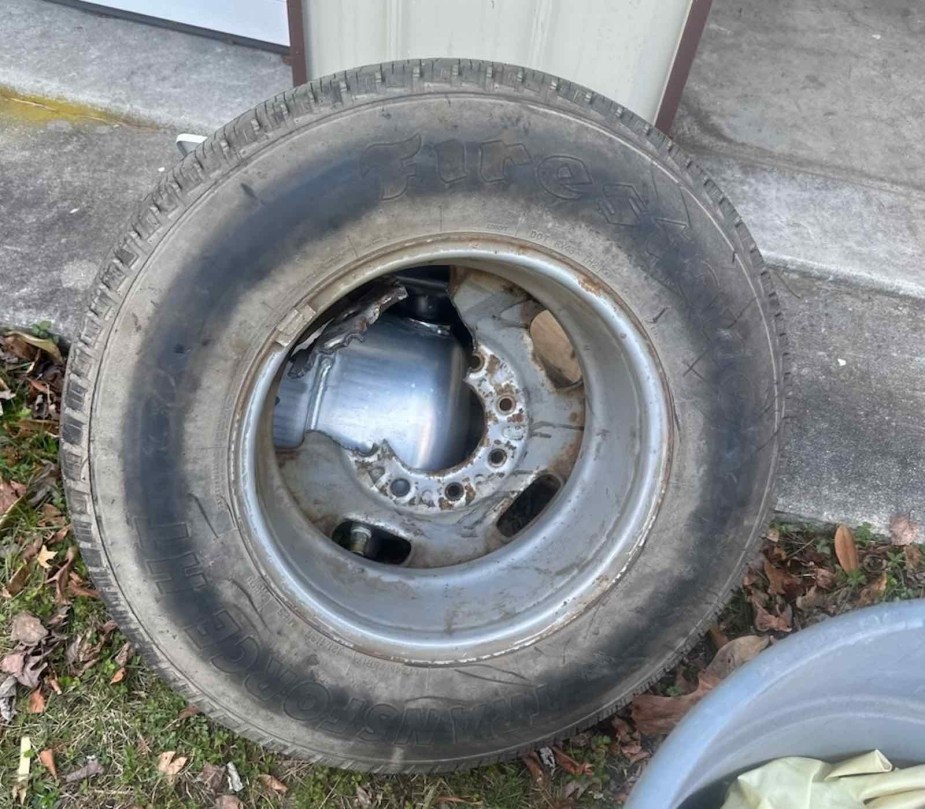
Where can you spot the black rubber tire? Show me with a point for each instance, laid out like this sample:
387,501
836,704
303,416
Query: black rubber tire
209,263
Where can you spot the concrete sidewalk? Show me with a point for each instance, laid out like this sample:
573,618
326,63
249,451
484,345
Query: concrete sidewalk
806,113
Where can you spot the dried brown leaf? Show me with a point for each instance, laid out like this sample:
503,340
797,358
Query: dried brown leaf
766,621
47,757
13,663
874,591
118,677
11,493
228,802
187,712
812,599
41,343
825,579
532,762
846,549
60,577
717,637
734,654
36,702
913,554
17,581
28,629
904,530
170,764
52,683
44,557
272,783
654,715
773,535
570,765
212,776
124,654
780,582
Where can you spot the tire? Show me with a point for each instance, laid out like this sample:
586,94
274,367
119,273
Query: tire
215,267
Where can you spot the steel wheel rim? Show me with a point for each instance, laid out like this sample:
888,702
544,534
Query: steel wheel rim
557,567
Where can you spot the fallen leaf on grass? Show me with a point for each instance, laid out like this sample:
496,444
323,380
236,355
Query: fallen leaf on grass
913,554
228,802
121,659
21,786
532,763
780,582
212,776
187,712
654,715
717,637
52,683
570,765
273,783
873,592
60,578
364,799
766,621
810,600
11,493
44,557
17,581
734,654
13,663
33,666
47,757
36,702
825,579
28,629
846,549
14,340
904,530
91,768
170,764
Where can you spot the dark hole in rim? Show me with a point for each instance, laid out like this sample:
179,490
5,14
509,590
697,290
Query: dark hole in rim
399,487
528,505
505,404
497,457
454,491
384,547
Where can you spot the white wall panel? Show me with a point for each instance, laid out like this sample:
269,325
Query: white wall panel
621,48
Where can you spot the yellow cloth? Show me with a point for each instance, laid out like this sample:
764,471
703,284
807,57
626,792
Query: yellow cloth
864,782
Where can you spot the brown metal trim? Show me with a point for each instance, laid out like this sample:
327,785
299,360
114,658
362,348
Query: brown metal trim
684,58
297,56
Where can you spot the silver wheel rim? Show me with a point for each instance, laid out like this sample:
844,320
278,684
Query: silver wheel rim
550,572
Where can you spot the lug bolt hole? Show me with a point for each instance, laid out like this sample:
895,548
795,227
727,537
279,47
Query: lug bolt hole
399,487
497,457
476,362
505,404
454,491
